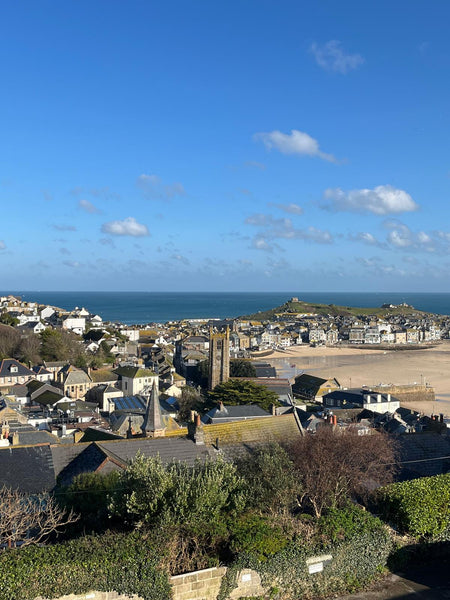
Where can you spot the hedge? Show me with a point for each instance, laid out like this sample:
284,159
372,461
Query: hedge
359,556
125,563
420,507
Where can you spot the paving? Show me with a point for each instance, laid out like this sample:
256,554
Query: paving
427,582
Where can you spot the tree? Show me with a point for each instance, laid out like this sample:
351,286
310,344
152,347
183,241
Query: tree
241,367
335,465
29,349
58,344
26,520
9,342
238,391
151,493
191,399
89,495
271,483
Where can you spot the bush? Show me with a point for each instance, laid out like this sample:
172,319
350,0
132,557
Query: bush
256,535
127,564
420,507
341,525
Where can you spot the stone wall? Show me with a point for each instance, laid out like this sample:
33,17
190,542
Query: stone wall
199,585
408,393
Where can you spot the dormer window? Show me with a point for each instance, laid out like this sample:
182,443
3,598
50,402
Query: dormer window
13,369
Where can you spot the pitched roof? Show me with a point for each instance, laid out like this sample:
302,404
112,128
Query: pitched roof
22,370
134,372
29,469
234,413
278,429
101,375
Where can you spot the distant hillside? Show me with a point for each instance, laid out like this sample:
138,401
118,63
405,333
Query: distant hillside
289,309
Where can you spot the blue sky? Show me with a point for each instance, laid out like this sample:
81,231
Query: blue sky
239,146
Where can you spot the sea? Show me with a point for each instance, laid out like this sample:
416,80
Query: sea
159,307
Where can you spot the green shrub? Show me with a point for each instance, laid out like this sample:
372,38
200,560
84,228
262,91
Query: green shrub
256,535
343,524
126,563
420,507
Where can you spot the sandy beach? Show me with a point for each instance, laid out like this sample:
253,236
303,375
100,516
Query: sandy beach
354,367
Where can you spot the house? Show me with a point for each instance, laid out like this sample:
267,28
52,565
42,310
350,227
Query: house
74,382
75,324
312,388
361,398
40,392
31,327
12,372
41,373
133,380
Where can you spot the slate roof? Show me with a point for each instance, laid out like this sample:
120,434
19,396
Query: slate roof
134,372
428,449
28,469
22,370
355,397
74,376
265,371
30,436
70,460
40,370
282,387
234,413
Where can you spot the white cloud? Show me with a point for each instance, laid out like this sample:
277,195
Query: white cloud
365,237
332,57
2,245
296,142
74,264
180,258
400,236
381,200
88,207
273,228
128,226
292,209
153,188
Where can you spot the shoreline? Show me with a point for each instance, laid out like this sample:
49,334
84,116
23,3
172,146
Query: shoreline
356,367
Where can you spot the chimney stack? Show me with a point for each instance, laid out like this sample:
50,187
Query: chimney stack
199,435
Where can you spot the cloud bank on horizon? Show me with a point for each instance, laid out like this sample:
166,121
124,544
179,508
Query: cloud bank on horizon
185,149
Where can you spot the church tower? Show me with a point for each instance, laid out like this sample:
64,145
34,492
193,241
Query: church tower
219,357
152,425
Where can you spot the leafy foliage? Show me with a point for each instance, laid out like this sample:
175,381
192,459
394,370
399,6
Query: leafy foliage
241,367
155,494
271,483
237,391
89,496
344,524
59,345
126,563
420,507
256,535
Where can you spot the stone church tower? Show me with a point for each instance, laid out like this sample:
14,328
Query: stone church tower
219,357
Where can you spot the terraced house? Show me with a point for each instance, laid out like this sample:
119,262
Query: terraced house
12,372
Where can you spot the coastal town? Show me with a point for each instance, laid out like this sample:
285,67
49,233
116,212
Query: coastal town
83,398
92,381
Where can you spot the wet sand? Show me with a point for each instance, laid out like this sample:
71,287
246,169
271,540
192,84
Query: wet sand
354,367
